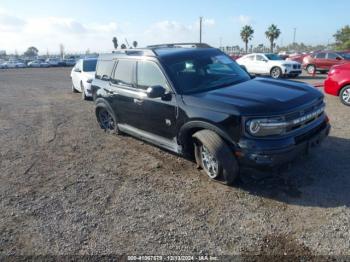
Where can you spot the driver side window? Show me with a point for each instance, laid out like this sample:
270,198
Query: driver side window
149,74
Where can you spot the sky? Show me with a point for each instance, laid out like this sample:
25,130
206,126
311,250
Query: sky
82,25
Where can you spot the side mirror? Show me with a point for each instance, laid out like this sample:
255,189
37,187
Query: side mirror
77,70
155,91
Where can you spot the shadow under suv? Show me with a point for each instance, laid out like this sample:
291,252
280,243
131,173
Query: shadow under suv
198,102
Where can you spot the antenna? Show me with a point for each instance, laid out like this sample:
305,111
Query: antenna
126,41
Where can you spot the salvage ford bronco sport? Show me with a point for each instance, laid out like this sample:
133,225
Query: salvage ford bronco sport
198,102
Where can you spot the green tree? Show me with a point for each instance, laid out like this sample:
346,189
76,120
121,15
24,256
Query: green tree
31,51
342,38
272,34
247,35
115,42
123,46
135,44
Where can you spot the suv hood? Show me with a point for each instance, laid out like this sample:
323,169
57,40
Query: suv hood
257,97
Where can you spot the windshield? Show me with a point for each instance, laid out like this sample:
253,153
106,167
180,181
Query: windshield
205,72
89,65
273,57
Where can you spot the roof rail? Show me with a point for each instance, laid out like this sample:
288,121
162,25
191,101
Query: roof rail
136,51
179,45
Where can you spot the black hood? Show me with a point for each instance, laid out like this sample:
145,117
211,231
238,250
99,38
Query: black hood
259,96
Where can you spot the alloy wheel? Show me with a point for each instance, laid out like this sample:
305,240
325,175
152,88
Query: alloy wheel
311,69
275,73
345,96
209,163
106,120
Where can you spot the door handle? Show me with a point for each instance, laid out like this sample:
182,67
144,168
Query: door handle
138,101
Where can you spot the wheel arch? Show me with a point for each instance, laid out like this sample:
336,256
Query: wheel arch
186,132
102,103
342,86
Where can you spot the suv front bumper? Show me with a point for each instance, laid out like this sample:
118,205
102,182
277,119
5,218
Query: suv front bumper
277,157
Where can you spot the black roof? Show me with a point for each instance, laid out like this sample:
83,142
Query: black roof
162,50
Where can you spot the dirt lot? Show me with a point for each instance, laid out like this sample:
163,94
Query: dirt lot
68,188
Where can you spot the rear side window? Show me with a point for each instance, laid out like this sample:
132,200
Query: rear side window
104,69
321,56
249,58
124,73
89,65
149,74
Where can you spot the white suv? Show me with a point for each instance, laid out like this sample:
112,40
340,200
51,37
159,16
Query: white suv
82,74
269,64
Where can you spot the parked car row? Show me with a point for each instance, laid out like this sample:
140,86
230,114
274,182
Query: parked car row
198,102
42,63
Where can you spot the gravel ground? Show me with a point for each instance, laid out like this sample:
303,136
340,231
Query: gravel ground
68,188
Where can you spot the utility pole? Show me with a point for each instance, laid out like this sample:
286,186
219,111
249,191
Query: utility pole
200,29
295,32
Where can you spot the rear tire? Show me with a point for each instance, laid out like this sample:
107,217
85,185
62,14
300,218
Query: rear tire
106,119
276,72
83,95
344,95
311,69
215,157
73,89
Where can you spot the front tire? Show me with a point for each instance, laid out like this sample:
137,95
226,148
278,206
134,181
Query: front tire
276,72
214,156
344,95
311,69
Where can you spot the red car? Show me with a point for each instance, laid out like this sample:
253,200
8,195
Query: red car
338,82
323,61
297,58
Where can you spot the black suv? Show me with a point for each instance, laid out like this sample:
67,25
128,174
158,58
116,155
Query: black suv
196,101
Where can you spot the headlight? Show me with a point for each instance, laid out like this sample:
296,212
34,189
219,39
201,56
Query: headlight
266,127
287,65
89,81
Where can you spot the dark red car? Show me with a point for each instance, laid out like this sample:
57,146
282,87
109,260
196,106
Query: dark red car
338,82
323,61
297,58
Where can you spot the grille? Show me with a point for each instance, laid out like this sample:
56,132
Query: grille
303,117
296,67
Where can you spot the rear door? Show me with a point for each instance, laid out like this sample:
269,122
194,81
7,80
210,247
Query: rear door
249,63
124,92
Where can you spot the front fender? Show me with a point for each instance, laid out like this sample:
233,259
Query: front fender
187,130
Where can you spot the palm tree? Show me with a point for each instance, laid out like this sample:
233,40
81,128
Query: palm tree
115,42
272,34
247,35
